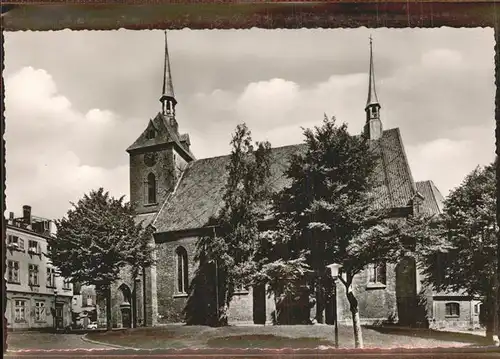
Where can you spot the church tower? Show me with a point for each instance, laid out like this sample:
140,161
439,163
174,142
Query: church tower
373,125
160,154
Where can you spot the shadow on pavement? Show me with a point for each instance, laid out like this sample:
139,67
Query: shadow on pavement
432,334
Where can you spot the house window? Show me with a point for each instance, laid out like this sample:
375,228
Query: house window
33,247
19,310
151,188
66,283
40,312
89,301
13,271
378,273
182,270
477,308
15,242
51,277
33,274
452,309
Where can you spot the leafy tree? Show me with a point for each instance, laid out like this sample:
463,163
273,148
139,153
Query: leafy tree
459,254
96,240
227,252
327,214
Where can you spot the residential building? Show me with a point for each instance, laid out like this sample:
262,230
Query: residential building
37,297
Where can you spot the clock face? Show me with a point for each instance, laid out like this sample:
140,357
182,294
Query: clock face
150,159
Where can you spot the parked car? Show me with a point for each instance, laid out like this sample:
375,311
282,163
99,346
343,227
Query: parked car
92,325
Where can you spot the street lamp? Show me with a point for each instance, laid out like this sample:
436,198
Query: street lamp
55,309
334,269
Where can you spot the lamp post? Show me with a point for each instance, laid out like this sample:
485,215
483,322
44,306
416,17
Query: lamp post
334,269
55,309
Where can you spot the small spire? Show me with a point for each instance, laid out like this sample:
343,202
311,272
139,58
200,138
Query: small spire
373,126
372,93
167,98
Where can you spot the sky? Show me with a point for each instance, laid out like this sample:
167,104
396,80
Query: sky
75,100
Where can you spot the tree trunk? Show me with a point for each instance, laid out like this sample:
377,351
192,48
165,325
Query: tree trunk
319,301
109,324
488,316
356,324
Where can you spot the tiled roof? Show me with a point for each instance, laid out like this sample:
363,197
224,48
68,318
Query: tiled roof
199,193
146,219
165,134
433,199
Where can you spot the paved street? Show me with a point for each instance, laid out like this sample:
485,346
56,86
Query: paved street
36,340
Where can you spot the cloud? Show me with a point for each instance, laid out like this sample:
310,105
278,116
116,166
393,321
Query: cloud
68,125
54,152
447,161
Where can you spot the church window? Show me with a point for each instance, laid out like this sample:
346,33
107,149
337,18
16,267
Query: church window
182,270
452,309
151,186
378,273
150,134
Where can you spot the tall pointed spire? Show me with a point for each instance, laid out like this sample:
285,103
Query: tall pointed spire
373,126
167,98
372,92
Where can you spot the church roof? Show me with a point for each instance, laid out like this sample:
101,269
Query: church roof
198,195
433,199
372,92
165,134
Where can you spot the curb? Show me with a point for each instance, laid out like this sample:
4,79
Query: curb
114,346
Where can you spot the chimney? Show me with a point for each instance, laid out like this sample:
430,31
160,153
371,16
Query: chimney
11,218
27,215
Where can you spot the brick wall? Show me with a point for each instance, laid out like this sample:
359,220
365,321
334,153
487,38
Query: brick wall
466,319
164,171
170,302
376,303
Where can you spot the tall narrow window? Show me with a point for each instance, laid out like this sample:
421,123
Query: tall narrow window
33,274
151,188
13,271
51,277
182,270
20,311
378,273
40,311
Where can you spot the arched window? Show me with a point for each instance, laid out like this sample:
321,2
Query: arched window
452,309
182,270
151,188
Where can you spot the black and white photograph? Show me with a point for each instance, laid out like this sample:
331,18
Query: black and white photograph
305,188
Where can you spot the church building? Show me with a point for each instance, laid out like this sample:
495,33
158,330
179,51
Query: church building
177,193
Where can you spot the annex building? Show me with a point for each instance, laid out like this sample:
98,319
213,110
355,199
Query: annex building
177,194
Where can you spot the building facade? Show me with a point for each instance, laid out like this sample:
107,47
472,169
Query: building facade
37,297
177,194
